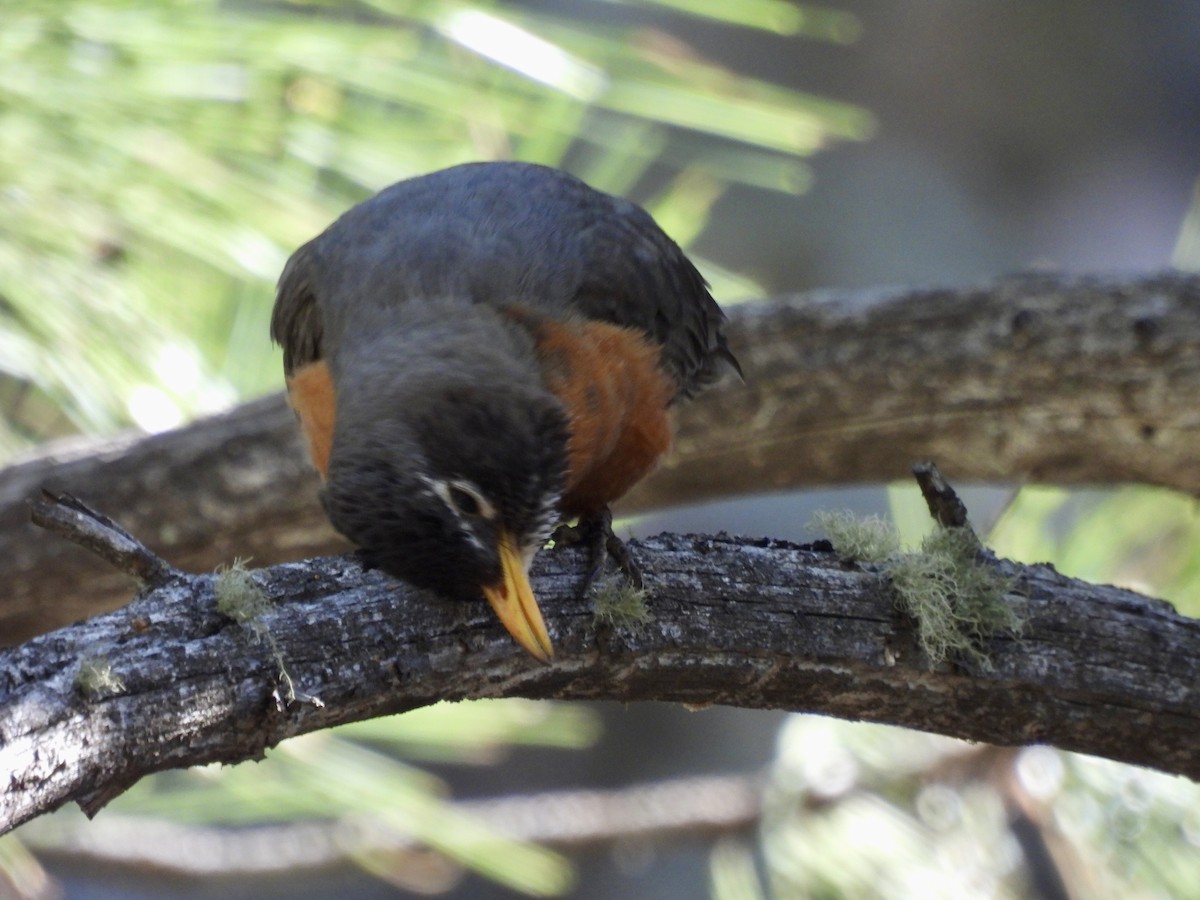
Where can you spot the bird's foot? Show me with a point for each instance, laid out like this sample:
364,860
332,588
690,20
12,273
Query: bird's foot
366,559
595,531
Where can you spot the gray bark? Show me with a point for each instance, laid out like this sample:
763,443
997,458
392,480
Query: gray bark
1035,378
234,485
747,623
1047,378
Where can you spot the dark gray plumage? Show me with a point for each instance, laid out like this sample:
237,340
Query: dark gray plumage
425,302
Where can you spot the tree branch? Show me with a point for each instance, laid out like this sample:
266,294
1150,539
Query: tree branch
564,819
943,501
1070,380
73,519
758,624
233,485
1052,378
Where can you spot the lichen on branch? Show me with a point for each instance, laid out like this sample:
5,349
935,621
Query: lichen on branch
950,588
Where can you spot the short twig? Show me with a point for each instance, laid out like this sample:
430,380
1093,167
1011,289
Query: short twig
944,504
72,519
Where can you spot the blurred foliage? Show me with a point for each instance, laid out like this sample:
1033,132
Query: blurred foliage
1113,831
733,872
358,774
21,875
871,811
160,160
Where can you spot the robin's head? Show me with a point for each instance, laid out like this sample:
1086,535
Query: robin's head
454,486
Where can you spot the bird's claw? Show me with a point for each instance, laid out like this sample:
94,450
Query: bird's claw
596,532
366,560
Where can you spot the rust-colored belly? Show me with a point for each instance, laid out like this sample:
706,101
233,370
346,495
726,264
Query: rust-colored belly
617,400
310,389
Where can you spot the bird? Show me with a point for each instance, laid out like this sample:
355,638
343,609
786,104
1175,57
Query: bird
480,353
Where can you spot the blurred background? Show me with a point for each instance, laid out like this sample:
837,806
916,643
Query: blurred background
160,160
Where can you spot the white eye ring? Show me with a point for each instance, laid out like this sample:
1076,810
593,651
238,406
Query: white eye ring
464,498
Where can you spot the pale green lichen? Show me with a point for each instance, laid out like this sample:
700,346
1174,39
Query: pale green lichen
618,604
96,678
868,540
955,598
240,598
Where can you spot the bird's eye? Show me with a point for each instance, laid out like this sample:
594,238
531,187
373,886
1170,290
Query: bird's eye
463,498
467,501
464,501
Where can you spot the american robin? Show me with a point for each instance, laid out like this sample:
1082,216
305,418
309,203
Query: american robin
479,353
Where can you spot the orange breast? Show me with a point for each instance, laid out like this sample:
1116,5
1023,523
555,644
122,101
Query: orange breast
310,389
617,399
607,377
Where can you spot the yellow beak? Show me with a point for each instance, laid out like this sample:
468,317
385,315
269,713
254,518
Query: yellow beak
512,599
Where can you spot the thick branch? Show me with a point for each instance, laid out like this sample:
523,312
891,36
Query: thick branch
754,624
1049,378
1039,377
233,485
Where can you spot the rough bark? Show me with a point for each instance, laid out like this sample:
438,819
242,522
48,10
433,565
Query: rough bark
234,485
748,623
1067,380
1038,377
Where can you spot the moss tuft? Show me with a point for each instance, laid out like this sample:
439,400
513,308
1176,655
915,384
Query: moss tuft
241,599
955,598
868,540
96,678
238,596
618,604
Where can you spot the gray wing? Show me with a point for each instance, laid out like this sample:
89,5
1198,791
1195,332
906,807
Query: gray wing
504,233
296,323
636,276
